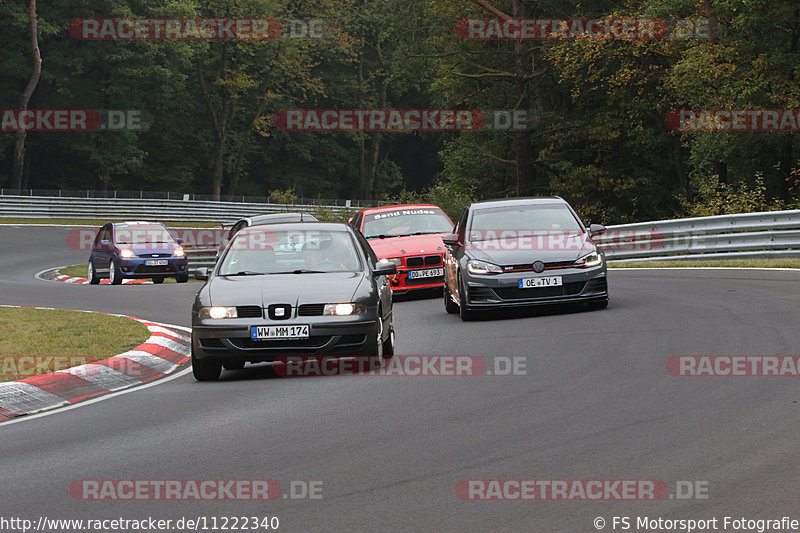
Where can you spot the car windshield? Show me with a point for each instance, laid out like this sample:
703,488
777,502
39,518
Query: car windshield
141,234
503,222
402,222
271,251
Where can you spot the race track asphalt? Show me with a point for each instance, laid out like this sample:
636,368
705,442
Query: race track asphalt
596,402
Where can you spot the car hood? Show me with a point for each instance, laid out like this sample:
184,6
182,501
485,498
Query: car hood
150,247
412,244
519,251
294,289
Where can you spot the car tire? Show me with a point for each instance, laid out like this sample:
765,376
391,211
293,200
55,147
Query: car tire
465,312
449,304
233,365
92,275
157,280
205,370
388,344
182,278
114,275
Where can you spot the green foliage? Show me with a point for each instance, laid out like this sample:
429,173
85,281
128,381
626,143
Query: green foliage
711,197
600,138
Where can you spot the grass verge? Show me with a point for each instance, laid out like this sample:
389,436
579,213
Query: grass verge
79,271
751,263
36,341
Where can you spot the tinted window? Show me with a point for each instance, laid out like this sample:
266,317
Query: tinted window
399,222
271,251
545,218
141,233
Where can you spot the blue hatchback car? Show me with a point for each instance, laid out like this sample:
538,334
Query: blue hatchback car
135,250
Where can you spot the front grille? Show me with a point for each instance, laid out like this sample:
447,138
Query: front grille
249,311
211,343
528,267
597,284
144,269
477,294
427,260
154,255
311,310
313,342
358,338
514,293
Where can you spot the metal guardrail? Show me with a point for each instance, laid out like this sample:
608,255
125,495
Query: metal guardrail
162,210
771,234
199,258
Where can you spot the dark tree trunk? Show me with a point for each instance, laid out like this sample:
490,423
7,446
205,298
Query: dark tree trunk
19,145
526,172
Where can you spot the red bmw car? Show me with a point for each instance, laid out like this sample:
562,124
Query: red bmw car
410,236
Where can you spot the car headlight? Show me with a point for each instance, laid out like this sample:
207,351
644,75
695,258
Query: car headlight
396,260
482,267
344,309
126,254
179,252
590,260
218,312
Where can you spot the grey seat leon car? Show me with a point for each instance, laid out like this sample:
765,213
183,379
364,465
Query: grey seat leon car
520,252
292,289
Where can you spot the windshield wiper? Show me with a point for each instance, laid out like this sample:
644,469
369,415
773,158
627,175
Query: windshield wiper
244,273
375,236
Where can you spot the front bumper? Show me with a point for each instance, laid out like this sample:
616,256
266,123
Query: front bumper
137,267
400,282
501,290
229,339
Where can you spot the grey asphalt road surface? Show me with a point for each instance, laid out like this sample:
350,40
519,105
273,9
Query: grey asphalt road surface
595,402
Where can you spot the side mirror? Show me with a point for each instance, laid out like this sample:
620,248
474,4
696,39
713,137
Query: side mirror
179,240
596,229
384,269
451,239
201,273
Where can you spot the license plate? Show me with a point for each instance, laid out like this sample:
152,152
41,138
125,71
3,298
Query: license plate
427,273
268,333
538,283
156,262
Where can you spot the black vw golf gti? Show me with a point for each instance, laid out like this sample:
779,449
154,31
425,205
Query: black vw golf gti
521,252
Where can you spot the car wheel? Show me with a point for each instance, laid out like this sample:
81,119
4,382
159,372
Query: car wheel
233,365
182,278
379,340
465,312
94,278
388,344
157,280
449,304
114,275
205,370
